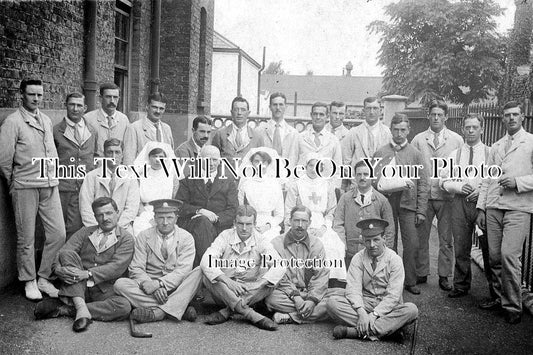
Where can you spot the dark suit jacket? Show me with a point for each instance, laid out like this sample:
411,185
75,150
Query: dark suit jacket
107,266
222,200
67,149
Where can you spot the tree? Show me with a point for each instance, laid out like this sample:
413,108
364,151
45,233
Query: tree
275,68
441,48
309,72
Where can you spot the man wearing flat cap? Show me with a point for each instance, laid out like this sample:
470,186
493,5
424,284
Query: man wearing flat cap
372,307
161,282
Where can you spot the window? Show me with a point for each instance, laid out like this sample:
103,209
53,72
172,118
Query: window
122,50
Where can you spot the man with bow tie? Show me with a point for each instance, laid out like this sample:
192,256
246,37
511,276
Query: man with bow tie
360,203
75,141
505,206
408,205
161,282
372,307
88,265
209,202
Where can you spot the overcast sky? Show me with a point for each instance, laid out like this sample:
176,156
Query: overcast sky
318,35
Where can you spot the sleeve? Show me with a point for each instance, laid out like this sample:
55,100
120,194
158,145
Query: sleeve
130,145
354,282
240,191
86,198
175,185
226,217
279,206
386,214
8,137
524,183
422,190
137,268
273,260
118,264
74,243
214,252
185,255
290,201
184,194
482,198
393,295
131,209
338,219
318,284
332,203
347,147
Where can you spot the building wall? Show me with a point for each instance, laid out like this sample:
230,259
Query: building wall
224,83
249,83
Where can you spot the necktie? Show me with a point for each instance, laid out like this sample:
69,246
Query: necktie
508,144
158,135
238,138
208,186
333,130
77,134
436,140
374,263
112,184
164,247
362,199
317,139
276,141
241,246
370,143
103,241
471,156
109,121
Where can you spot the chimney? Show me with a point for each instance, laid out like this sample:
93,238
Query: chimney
349,68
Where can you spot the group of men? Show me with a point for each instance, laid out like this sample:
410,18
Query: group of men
204,239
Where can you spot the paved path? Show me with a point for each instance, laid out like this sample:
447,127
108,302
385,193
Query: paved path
447,326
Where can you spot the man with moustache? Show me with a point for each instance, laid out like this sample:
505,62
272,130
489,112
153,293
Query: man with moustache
233,140
505,206
277,133
75,141
107,121
408,205
148,129
372,307
363,141
161,282
337,113
436,142
240,287
299,296
123,189
209,202
27,134
201,133
360,203
88,265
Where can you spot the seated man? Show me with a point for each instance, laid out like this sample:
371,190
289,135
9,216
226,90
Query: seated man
298,298
161,283
122,189
88,265
239,270
209,204
373,306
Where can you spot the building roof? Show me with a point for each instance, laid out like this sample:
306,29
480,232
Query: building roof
224,45
311,88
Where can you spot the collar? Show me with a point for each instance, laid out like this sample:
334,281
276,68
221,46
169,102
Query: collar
106,115
397,147
28,113
152,123
379,257
329,127
168,236
478,145
290,239
273,123
71,123
516,135
196,146
371,128
440,134
235,240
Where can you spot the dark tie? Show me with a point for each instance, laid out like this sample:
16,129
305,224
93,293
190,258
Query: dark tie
362,199
374,263
158,132
109,121
471,156
208,186
238,138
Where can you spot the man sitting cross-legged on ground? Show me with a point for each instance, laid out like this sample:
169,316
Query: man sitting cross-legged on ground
88,265
372,307
241,268
299,296
161,282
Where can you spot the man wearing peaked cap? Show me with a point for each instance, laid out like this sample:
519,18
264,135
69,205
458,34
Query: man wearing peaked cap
372,307
162,282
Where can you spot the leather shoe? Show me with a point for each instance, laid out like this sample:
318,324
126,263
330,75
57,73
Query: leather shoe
81,324
48,308
413,289
513,317
215,318
444,284
266,324
457,292
421,280
491,304
143,315
190,314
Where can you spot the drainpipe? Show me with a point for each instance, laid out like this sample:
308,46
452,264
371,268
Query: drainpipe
156,38
239,73
90,86
259,81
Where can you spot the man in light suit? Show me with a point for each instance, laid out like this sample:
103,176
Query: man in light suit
505,206
277,133
88,265
436,142
337,112
123,189
373,306
107,121
147,129
161,282
234,140
363,141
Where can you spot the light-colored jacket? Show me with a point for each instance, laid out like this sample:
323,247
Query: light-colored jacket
330,146
22,139
148,263
98,122
380,289
517,163
355,145
141,132
258,252
264,136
